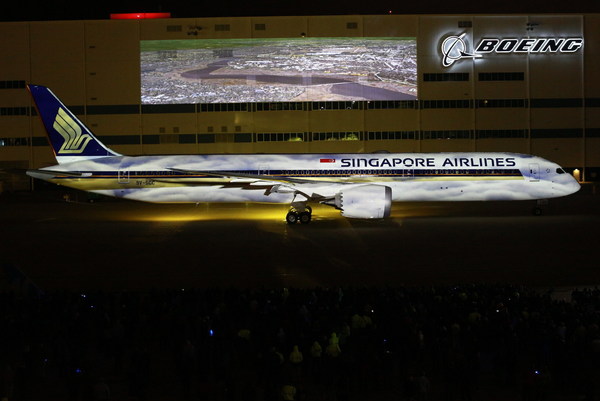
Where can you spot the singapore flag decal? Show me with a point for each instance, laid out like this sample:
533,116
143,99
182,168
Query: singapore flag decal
327,160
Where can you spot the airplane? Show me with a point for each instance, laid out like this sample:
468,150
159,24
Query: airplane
359,185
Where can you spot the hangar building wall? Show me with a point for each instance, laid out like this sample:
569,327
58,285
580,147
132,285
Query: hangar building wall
545,103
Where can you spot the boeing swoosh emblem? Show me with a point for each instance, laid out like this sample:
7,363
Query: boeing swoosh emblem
75,141
453,49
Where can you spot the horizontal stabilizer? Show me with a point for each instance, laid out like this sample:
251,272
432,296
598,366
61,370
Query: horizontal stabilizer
55,173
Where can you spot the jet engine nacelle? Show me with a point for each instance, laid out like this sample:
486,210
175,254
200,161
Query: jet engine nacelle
365,202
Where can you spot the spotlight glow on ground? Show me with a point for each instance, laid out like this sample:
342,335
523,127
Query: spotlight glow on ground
256,211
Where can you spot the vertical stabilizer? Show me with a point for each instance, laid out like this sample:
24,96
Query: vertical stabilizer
70,139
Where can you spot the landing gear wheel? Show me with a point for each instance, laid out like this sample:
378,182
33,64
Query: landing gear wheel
291,217
305,217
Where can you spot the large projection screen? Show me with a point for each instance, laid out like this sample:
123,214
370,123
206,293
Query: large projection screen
278,70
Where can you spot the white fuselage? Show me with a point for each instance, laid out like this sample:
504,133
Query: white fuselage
277,178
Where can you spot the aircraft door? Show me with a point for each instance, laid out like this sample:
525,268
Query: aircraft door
123,176
534,172
263,169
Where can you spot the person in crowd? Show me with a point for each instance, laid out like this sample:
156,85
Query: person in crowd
350,342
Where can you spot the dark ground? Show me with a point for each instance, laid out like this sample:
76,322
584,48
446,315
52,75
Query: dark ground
122,245
117,251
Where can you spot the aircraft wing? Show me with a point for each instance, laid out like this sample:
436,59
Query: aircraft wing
268,183
267,178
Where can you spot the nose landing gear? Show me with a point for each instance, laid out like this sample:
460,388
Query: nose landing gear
537,210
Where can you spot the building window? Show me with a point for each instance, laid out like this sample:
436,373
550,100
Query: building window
174,28
217,107
465,24
501,76
280,137
280,106
390,135
391,104
557,133
242,138
592,132
39,141
206,138
222,27
337,136
12,84
450,134
13,111
592,102
446,77
187,138
260,27
15,142
168,139
492,103
446,104
501,133
352,105
551,103
352,25
151,139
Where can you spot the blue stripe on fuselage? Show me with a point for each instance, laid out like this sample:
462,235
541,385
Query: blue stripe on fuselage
282,174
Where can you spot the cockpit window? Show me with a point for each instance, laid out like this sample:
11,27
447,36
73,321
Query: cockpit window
560,171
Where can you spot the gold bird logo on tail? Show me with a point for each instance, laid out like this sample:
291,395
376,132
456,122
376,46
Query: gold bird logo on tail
75,141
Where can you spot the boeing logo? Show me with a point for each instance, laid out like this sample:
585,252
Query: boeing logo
75,142
454,48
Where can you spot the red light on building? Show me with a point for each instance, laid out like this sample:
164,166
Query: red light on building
140,15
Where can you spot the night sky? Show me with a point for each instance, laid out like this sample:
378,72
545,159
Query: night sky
90,9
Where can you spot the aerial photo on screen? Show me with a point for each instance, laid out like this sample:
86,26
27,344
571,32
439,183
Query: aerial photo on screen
278,70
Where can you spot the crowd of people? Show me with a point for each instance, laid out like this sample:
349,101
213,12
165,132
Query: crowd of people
448,343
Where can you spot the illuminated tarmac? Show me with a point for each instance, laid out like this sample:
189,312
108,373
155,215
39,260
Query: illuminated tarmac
130,245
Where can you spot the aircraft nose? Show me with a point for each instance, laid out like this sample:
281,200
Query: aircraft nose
574,185
565,184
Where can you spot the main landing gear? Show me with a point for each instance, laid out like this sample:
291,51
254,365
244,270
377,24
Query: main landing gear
297,215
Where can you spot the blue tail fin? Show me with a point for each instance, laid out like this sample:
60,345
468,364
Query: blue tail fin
71,140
